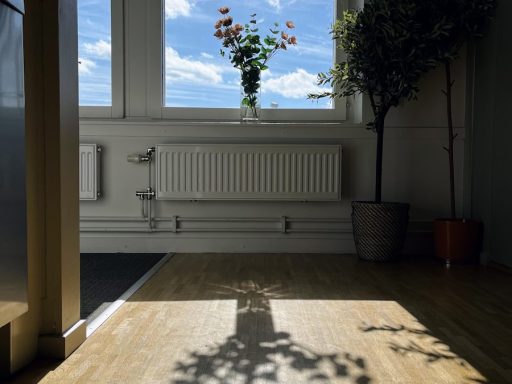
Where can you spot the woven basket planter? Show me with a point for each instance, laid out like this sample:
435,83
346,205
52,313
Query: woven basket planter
379,229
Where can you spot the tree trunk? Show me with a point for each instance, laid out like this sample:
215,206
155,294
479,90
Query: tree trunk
451,137
379,127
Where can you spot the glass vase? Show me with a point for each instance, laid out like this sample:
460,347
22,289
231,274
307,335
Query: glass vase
250,95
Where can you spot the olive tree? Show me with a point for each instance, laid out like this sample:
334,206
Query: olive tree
465,20
388,46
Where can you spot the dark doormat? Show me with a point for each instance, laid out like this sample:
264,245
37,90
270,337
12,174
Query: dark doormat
104,277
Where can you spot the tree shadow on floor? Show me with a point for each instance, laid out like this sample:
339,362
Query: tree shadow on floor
435,350
257,353
236,361
420,341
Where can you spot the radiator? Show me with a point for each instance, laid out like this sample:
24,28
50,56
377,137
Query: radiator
89,171
248,172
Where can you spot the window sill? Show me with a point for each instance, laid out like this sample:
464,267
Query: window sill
217,124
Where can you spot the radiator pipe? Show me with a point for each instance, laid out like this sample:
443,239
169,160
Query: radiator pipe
215,230
150,223
150,152
174,228
211,219
156,230
118,219
143,209
227,219
124,229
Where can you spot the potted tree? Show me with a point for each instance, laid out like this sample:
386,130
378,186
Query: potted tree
457,239
388,46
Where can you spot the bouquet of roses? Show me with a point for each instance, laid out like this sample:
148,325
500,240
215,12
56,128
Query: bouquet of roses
250,53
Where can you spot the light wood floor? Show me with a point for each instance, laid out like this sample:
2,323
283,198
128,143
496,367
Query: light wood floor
296,319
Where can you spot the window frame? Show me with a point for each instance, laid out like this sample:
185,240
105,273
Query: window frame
116,110
156,79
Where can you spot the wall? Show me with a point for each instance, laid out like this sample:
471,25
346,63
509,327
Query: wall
51,326
415,171
492,134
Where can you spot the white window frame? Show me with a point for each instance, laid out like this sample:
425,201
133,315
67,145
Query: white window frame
156,79
116,110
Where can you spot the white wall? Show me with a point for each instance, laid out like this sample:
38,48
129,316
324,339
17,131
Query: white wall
415,171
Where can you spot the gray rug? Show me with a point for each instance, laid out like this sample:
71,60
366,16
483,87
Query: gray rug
104,277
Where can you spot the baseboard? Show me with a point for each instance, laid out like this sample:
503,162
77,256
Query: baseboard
343,243
61,346
500,267
218,244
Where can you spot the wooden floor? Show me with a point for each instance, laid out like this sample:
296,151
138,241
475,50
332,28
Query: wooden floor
295,319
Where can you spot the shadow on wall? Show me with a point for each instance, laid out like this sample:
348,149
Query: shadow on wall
259,354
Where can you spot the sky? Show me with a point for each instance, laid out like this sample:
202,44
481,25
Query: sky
196,75
94,53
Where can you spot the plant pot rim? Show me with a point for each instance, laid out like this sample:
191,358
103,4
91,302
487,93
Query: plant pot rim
461,220
370,202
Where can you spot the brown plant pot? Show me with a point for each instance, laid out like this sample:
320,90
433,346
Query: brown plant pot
457,240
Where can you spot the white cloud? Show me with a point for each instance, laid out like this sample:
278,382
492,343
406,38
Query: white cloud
85,66
176,8
275,3
318,51
206,55
101,48
184,69
294,85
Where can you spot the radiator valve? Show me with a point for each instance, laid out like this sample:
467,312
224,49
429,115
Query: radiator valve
148,194
138,158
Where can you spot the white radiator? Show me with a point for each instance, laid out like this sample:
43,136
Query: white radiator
89,172
248,172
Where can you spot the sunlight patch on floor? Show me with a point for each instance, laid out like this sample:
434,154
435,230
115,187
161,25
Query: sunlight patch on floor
386,340
148,338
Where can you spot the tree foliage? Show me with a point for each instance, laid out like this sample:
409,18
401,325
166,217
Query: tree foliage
388,46
466,20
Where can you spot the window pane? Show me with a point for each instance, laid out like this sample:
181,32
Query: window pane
197,76
94,52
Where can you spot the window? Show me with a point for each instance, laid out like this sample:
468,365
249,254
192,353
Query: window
94,53
100,58
179,73
196,76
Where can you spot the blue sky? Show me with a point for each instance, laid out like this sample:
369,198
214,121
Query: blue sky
196,74
94,52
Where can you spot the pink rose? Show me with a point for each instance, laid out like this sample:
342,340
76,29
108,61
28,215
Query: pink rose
227,21
224,10
218,24
218,34
284,36
292,40
290,24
